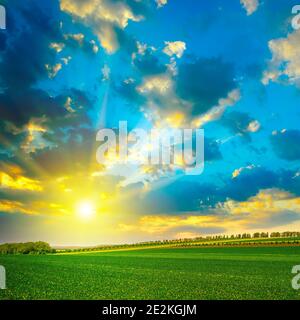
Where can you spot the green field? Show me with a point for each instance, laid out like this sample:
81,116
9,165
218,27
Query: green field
193,273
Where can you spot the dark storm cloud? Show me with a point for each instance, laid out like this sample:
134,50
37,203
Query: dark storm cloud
176,198
19,107
126,41
185,195
127,89
286,144
149,63
80,104
24,54
237,122
290,180
7,137
248,184
30,30
204,81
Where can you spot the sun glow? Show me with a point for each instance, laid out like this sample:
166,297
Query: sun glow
86,210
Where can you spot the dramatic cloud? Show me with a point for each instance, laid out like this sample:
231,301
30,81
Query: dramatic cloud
265,210
205,197
33,116
105,17
80,147
15,180
24,59
240,123
148,63
248,183
71,67
217,111
194,93
204,82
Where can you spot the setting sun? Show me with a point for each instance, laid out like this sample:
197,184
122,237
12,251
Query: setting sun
85,210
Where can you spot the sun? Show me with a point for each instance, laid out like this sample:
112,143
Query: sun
86,210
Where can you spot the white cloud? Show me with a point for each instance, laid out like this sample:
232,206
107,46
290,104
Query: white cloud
161,3
175,48
216,112
58,47
161,83
285,63
78,37
53,70
250,6
66,60
253,126
94,46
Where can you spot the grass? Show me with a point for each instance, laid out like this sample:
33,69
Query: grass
162,273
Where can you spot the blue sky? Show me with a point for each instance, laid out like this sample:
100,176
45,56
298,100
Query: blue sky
69,68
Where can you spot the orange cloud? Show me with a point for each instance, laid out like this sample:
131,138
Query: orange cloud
14,207
19,182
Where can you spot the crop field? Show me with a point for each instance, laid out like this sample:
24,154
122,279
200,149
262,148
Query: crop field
161,273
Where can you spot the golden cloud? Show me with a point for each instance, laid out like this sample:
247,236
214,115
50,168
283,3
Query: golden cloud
231,215
19,183
175,48
285,60
102,16
14,207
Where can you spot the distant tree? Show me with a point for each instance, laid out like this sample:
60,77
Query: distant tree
26,248
275,235
264,235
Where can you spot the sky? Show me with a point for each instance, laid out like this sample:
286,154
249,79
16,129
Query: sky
69,68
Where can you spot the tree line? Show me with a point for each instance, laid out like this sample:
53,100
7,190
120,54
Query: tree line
191,241
43,247
39,247
286,234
